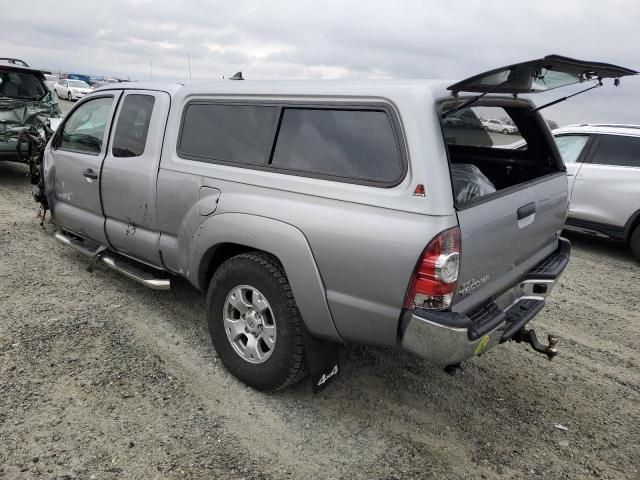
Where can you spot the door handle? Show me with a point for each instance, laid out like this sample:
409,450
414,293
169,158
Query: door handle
88,173
526,210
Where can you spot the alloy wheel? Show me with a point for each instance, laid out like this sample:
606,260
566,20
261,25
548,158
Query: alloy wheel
250,324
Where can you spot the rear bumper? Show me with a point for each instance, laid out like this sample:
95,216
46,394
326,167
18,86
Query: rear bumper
447,338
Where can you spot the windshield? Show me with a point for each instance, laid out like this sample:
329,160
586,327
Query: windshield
78,84
24,86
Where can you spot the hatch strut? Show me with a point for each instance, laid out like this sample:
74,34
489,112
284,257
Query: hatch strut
468,102
598,84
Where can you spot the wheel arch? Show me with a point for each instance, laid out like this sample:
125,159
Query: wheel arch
631,225
228,234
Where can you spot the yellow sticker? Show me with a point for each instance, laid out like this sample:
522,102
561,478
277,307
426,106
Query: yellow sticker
482,345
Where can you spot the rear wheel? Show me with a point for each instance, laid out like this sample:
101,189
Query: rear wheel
634,242
254,323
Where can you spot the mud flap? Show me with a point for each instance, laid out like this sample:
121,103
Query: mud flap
323,360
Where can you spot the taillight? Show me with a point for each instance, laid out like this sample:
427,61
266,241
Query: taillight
435,278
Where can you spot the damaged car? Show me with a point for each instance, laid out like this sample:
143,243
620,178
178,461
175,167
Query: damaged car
25,102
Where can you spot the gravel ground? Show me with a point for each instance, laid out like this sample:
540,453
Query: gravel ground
102,378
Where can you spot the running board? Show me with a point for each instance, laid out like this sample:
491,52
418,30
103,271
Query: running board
126,267
585,231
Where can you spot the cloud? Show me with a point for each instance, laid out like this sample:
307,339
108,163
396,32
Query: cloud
330,39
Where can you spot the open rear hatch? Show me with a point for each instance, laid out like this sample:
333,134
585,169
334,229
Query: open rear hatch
539,75
511,203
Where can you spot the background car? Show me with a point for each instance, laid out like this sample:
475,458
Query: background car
72,89
499,126
25,101
603,169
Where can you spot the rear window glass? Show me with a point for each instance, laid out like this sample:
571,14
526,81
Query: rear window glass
228,133
343,143
482,127
617,150
133,125
24,86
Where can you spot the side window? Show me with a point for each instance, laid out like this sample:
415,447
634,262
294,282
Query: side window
571,146
617,150
133,125
343,143
84,130
227,133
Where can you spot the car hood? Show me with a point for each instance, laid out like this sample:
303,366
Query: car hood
16,114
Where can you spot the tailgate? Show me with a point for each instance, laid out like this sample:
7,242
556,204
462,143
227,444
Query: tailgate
506,235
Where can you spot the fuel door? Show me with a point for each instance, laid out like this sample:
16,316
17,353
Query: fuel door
208,198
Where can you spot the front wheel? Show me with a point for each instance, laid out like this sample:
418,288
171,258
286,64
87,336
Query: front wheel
634,242
69,96
254,323
505,131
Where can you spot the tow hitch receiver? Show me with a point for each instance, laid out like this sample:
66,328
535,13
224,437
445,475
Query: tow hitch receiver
529,336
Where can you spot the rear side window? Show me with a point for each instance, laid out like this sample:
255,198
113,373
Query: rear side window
228,133
617,150
133,125
571,146
343,143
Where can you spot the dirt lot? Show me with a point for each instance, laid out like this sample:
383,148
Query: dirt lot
102,378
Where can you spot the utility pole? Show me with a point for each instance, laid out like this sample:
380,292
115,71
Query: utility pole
189,61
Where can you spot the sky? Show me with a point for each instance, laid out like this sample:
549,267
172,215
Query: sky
155,39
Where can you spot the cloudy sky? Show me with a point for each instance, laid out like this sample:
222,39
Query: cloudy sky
331,39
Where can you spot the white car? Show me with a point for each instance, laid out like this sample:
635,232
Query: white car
498,126
603,170
72,89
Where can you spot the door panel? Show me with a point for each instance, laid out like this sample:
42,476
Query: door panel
77,157
130,172
606,194
606,190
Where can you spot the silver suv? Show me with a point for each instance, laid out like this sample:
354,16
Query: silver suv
603,165
315,213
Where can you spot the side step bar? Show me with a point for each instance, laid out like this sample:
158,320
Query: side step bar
126,267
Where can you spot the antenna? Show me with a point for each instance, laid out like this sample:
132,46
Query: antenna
151,63
237,76
189,61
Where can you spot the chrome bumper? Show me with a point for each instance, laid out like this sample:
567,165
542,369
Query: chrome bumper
448,338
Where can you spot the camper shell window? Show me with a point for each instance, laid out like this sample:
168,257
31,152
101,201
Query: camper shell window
480,140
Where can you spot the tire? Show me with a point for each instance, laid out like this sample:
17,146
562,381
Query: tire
634,243
504,131
69,97
284,363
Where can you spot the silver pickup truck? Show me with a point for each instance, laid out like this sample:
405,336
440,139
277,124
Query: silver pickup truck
315,213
